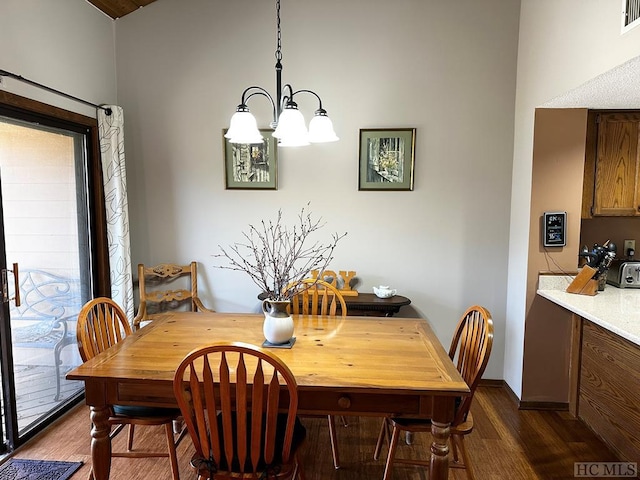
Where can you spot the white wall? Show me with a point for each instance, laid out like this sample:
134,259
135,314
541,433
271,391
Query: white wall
446,68
67,45
562,46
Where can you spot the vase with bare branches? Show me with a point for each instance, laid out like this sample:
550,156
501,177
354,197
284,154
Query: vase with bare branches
276,256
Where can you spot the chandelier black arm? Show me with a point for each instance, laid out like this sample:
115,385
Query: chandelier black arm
255,90
312,93
286,97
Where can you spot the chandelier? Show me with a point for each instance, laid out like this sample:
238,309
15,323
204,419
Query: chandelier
288,121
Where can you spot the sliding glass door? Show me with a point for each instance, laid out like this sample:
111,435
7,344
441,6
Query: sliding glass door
48,265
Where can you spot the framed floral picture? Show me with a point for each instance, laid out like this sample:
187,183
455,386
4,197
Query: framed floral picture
251,165
386,158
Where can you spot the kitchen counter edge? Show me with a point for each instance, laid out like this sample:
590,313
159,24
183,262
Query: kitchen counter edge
616,309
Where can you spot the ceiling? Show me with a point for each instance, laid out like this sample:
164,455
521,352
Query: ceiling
119,8
614,89
605,91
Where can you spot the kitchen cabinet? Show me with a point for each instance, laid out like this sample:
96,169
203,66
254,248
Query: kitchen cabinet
612,183
609,392
604,362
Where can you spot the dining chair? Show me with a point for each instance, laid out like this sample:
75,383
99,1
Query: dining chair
317,297
241,422
101,325
157,296
470,350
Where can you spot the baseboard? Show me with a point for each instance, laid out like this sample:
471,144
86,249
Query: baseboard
491,383
557,406
502,384
512,395
524,405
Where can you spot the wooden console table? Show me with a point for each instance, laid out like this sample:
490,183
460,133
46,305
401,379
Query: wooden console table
367,304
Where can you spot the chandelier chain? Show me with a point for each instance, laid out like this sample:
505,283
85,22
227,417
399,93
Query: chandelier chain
279,35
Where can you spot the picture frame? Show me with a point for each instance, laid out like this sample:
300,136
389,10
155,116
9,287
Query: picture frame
251,166
387,157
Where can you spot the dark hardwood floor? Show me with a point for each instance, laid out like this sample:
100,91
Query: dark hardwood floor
507,443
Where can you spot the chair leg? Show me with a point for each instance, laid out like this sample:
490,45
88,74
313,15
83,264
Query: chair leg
465,456
454,450
392,452
130,437
58,361
408,438
334,441
384,432
299,473
57,351
173,458
178,425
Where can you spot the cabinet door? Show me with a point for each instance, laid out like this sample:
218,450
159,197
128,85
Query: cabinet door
610,389
616,184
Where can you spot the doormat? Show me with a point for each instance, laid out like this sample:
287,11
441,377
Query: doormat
18,469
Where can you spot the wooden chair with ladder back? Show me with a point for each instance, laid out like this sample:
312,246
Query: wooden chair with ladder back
241,422
317,297
158,294
470,350
101,325
309,299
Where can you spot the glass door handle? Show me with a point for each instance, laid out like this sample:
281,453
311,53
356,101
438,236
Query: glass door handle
16,283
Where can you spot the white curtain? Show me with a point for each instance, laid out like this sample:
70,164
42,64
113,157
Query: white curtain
111,130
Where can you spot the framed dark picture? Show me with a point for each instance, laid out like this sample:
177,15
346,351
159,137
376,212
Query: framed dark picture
386,158
251,165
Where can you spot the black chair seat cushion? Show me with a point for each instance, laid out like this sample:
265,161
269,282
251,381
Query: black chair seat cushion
299,434
142,411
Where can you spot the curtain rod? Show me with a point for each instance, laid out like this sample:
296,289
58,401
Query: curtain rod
4,73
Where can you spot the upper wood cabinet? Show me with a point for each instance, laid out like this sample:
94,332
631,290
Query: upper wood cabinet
615,179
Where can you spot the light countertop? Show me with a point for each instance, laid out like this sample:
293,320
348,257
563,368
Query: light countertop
616,309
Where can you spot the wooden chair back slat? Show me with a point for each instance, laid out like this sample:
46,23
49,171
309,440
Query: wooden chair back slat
245,393
257,406
225,407
273,392
241,409
211,408
197,417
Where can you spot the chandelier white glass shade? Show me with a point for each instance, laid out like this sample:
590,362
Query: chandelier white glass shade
288,122
243,128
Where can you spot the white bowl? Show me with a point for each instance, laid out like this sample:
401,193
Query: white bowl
385,292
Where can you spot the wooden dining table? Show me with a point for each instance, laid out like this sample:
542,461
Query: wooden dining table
371,366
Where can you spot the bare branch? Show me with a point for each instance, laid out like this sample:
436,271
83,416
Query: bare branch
275,256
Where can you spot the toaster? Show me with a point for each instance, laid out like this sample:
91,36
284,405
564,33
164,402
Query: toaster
624,274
